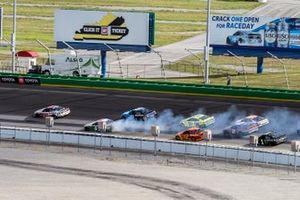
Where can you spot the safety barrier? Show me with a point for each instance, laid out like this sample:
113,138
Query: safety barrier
164,87
155,146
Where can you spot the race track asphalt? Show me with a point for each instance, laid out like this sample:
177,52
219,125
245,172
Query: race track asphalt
88,104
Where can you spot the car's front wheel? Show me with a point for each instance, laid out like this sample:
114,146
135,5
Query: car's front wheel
46,72
36,115
263,142
75,73
227,134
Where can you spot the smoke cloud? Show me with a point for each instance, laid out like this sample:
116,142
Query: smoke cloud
226,118
281,121
167,121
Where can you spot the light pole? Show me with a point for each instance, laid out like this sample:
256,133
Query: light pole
206,48
118,56
162,66
284,69
201,64
76,55
243,65
13,37
48,52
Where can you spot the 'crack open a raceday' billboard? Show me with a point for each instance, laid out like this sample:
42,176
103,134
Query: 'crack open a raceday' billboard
255,36
94,30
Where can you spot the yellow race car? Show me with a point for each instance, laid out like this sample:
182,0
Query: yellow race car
198,121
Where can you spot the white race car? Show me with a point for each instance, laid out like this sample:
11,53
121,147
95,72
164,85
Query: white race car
260,121
52,111
96,125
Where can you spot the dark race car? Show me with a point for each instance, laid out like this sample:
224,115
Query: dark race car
140,114
52,111
271,139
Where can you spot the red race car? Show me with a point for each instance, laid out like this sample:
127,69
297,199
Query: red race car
192,134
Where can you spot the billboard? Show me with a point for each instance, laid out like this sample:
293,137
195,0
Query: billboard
254,36
97,29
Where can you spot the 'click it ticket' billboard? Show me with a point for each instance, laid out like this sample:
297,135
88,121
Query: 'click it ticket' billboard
255,32
99,29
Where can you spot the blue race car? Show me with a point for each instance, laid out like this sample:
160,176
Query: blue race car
140,114
244,38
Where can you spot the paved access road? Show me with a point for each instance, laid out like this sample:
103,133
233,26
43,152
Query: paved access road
43,173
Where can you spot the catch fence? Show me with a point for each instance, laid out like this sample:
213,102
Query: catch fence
150,145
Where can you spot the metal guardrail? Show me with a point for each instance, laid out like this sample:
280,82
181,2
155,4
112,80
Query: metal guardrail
158,146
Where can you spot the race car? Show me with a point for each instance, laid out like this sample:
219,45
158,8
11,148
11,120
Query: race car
95,125
52,111
199,120
261,121
272,139
240,128
245,38
192,134
140,114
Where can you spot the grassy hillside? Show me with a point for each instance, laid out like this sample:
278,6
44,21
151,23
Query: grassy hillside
35,20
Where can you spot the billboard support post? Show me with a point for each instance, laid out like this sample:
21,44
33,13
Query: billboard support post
260,65
103,64
206,48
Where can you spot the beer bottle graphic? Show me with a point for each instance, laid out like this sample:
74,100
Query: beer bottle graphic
270,35
283,34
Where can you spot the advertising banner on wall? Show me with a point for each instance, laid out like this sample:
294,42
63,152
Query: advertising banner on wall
95,28
255,32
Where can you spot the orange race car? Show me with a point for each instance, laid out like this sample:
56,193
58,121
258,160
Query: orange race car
192,134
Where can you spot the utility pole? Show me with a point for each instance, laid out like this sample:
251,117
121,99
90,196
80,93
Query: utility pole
206,48
13,37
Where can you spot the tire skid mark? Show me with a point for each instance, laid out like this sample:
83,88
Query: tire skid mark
172,189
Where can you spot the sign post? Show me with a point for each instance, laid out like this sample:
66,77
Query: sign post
1,23
13,37
206,48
